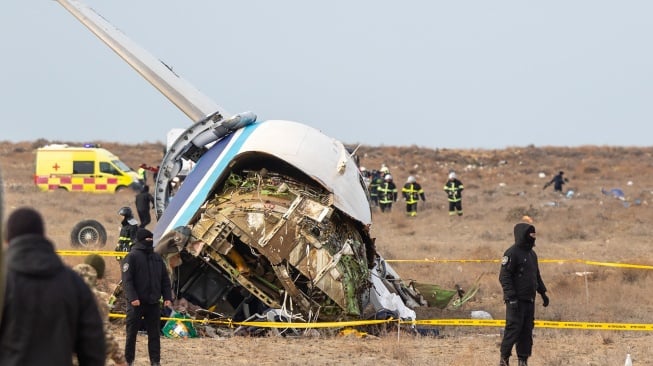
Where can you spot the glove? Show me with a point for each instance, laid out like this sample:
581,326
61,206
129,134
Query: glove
545,299
512,303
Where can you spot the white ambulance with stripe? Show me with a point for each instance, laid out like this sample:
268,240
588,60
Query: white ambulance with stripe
82,169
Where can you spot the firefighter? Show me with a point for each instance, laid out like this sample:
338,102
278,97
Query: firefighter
128,228
412,192
375,183
387,193
454,190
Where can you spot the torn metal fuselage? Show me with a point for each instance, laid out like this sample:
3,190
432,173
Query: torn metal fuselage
268,235
272,214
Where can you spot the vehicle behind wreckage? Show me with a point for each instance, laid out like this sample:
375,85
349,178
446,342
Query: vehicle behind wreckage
273,215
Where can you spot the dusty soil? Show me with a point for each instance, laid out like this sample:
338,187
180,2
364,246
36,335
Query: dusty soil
500,187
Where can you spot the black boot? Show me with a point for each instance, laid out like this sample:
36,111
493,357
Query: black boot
505,361
523,362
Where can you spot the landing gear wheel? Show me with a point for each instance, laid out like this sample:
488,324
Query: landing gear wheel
88,233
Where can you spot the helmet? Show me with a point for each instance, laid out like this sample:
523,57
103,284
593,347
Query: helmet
452,175
125,211
388,177
411,179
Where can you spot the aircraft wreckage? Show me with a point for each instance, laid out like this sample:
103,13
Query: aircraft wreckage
273,215
288,226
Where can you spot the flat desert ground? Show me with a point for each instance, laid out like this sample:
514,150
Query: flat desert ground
584,239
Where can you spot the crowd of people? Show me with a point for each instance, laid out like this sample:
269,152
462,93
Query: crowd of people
383,192
40,287
56,315
519,274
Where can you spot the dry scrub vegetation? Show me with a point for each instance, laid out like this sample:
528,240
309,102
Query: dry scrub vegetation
500,187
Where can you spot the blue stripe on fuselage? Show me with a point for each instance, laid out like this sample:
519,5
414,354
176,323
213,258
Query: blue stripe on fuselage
201,180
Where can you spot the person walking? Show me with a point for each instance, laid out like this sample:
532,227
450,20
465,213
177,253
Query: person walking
387,192
91,271
144,201
454,190
557,181
412,192
375,183
520,280
145,281
128,228
49,313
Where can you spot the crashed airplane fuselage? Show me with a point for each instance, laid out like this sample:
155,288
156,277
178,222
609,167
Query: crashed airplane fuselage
274,214
271,209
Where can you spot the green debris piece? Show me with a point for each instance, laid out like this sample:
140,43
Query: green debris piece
178,328
435,295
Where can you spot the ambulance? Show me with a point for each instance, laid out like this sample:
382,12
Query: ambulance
88,168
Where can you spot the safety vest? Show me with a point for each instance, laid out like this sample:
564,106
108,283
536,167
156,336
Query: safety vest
374,186
141,174
125,242
412,192
454,189
387,192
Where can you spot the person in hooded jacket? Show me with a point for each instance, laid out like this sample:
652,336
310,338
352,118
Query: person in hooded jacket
145,281
49,313
520,280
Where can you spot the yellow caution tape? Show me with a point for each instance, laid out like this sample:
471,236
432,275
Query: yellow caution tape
264,324
81,253
315,325
441,322
538,324
559,261
425,260
593,326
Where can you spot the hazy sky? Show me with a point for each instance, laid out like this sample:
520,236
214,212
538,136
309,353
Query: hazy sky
453,74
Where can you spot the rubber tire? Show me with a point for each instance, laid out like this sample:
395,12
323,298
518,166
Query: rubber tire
87,234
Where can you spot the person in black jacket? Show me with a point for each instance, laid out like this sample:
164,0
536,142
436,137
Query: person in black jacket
144,201
520,279
49,314
145,281
557,181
